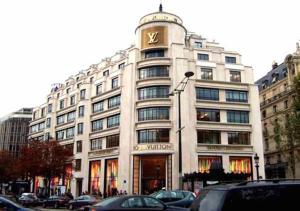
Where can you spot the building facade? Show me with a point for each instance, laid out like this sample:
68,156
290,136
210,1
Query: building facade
122,123
276,99
14,130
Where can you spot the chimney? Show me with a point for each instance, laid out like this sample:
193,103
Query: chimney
274,65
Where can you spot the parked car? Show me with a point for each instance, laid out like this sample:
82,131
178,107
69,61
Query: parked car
178,198
132,202
81,201
270,195
6,204
56,201
29,199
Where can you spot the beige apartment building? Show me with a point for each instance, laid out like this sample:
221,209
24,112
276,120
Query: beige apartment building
122,123
276,98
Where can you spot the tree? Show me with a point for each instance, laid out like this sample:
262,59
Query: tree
6,167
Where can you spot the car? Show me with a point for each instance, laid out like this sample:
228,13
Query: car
132,202
178,198
81,201
6,204
29,199
261,195
56,201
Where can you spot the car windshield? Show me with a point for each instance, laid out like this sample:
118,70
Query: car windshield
106,202
10,202
211,200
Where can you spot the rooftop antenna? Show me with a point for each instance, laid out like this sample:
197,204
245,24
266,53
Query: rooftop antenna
160,6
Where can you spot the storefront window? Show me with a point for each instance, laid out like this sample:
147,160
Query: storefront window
111,177
68,177
95,172
240,165
204,163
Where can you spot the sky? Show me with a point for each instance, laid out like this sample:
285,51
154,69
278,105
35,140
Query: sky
45,41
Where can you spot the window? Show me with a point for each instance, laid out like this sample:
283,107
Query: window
60,135
71,116
264,113
122,65
206,74
207,94
154,71
96,144
133,203
153,135
49,108
43,112
240,165
81,111
97,125
106,73
82,94
98,89
205,114
235,76
80,128
238,116
286,104
242,138
275,108
79,146
204,162
47,136
77,79
153,92
114,101
79,85
60,119
208,137
112,141
70,132
203,57
114,83
68,90
113,121
58,94
155,113
91,79
78,165
236,96
72,100
267,144
154,53
61,104
48,122
97,107
154,203
198,44
230,60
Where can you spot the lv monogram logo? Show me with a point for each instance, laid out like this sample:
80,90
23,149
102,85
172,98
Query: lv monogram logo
152,37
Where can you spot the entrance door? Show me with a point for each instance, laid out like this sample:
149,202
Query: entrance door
78,187
153,175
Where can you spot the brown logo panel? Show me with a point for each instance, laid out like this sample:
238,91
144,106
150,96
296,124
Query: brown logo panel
154,37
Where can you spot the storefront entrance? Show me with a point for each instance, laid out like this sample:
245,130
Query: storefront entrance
153,173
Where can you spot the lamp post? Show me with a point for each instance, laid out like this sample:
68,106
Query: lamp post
180,88
256,160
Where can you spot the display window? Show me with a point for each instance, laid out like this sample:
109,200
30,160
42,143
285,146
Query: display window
111,177
204,162
240,165
95,173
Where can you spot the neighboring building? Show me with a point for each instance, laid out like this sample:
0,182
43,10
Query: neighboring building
122,123
276,98
14,130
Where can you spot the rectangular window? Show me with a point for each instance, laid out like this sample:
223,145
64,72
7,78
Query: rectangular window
113,121
206,74
121,66
79,146
47,137
49,108
70,132
204,162
96,144
203,57
80,128
286,104
236,96
208,137
153,72
206,114
230,60
238,116
60,135
235,76
48,122
207,94
114,83
154,53
275,108
153,92
240,165
43,112
61,104
98,89
97,125
114,101
81,111
68,90
79,85
198,44
91,79
82,94
95,177
106,73
153,113
97,107
242,138
153,135
60,119
112,141
78,165
72,100
71,116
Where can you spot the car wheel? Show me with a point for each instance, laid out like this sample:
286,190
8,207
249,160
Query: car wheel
56,206
71,207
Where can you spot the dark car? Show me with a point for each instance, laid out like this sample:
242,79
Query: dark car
81,201
29,199
178,198
132,202
56,201
6,204
250,196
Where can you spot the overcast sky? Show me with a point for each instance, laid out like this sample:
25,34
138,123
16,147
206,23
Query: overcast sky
44,42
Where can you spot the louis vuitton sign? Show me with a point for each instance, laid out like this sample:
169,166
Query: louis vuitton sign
153,147
154,37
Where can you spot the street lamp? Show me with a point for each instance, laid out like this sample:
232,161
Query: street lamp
256,160
180,88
